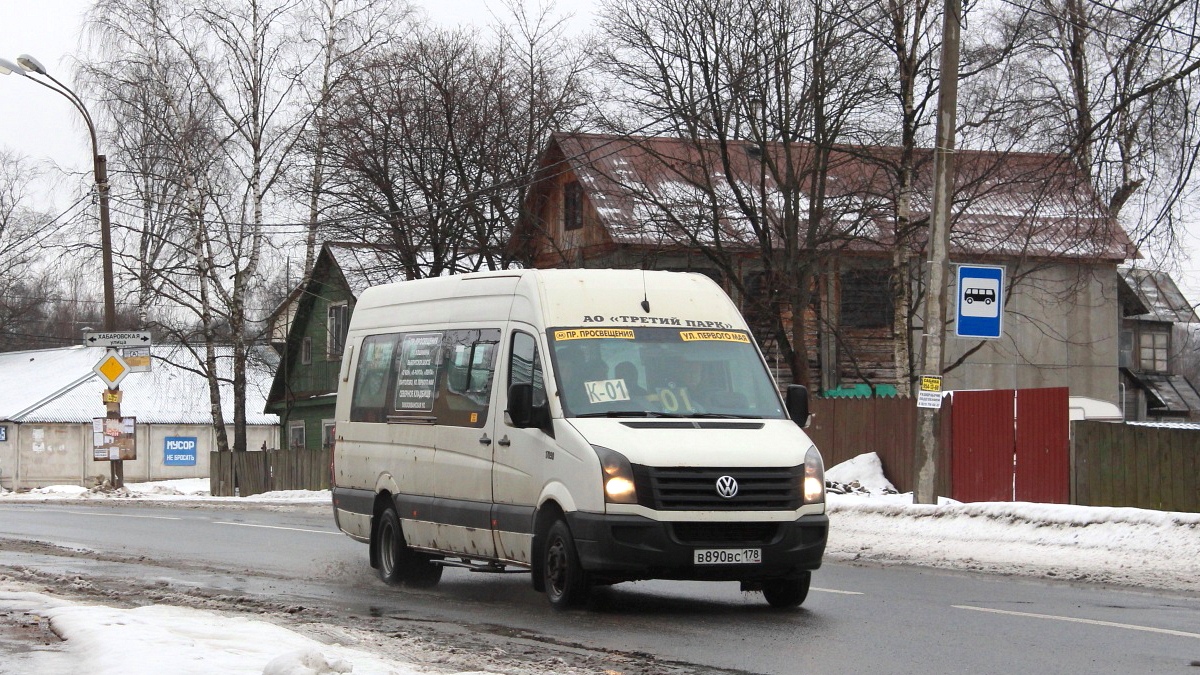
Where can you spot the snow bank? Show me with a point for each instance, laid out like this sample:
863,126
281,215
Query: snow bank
155,639
165,490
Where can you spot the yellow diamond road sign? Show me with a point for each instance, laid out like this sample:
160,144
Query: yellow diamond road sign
112,369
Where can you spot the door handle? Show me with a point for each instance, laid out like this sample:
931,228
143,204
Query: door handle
484,440
504,442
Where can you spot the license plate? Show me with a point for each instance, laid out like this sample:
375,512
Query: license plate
727,556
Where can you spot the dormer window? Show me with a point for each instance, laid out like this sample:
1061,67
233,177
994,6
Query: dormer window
572,206
1154,347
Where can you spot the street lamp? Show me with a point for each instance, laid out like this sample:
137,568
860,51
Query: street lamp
27,64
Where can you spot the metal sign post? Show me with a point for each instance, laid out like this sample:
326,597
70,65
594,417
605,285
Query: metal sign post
112,369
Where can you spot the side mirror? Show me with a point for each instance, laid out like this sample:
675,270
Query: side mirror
796,401
520,405
522,412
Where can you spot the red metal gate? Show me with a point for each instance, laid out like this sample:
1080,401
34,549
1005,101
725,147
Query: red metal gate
1043,466
1010,445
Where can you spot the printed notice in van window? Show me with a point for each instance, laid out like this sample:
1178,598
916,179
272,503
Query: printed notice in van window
416,379
712,335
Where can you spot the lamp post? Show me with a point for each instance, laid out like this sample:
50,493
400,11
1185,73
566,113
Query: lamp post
27,64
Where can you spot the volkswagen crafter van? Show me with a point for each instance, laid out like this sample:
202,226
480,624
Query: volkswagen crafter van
589,426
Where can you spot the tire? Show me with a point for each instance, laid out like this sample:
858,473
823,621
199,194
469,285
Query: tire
398,564
787,593
566,582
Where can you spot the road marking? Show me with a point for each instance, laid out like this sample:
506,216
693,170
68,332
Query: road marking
831,590
274,527
1094,622
119,515
101,514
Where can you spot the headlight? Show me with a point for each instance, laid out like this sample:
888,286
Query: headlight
814,477
617,475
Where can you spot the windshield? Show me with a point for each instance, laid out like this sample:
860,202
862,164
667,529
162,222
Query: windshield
657,371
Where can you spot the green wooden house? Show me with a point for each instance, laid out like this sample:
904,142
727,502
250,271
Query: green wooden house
309,331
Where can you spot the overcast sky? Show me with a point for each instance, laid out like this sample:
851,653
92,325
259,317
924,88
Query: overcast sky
44,127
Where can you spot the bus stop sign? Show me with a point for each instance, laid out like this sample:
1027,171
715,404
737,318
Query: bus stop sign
980,302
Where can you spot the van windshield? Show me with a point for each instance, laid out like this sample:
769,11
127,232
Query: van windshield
667,372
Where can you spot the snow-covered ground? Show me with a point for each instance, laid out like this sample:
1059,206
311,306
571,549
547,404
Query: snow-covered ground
1129,547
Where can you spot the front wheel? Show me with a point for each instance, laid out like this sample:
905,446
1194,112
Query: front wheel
787,593
398,564
566,582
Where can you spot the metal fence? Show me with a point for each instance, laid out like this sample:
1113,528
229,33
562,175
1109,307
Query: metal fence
242,474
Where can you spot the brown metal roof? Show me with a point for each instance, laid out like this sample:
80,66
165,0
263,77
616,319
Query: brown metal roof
655,190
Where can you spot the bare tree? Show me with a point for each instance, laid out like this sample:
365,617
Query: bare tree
1113,84
217,104
346,32
765,82
27,281
436,142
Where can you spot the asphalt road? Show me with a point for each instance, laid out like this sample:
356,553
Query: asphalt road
857,619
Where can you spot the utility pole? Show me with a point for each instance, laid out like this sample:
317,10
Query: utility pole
933,360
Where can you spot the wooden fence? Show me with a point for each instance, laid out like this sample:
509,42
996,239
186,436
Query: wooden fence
1138,466
844,428
251,473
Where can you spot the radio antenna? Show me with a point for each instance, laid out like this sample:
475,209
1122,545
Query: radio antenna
645,296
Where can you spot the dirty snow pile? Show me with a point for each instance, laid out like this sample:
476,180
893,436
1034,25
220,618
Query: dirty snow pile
158,639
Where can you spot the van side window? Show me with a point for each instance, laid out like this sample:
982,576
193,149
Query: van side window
464,391
371,383
525,366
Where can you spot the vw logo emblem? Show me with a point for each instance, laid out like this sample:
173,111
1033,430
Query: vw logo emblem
727,487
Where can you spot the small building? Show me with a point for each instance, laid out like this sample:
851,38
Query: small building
52,397
309,332
1153,312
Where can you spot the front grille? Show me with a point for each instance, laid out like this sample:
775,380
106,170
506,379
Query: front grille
725,534
695,489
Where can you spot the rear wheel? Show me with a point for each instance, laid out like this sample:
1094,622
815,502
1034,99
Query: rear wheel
787,593
398,564
566,582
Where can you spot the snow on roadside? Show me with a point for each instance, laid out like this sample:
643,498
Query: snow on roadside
1125,546
189,489
154,639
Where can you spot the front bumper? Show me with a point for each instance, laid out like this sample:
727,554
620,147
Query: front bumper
628,547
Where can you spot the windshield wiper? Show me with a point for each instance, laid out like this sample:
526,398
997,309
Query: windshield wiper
722,416
630,413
